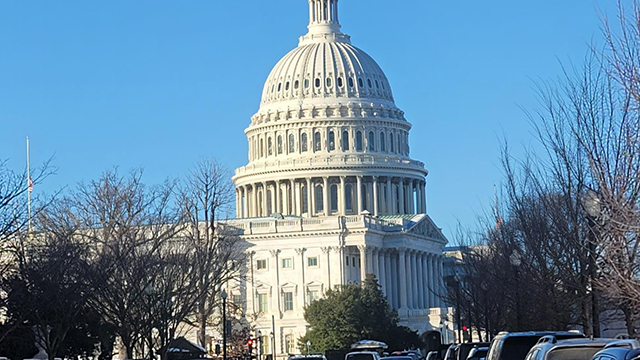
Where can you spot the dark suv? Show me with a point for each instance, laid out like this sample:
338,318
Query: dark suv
516,345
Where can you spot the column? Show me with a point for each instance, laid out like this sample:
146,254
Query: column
264,200
297,198
420,287
238,213
401,196
394,258
433,285
402,278
245,202
375,196
254,206
409,279
342,199
419,198
382,271
309,198
277,204
441,286
411,197
388,281
359,192
325,192
327,250
375,270
363,263
424,196
285,198
425,281
389,198
368,265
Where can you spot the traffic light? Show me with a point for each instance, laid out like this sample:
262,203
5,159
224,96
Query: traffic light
250,343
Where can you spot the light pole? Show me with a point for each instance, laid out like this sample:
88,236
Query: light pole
592,206
515,261
308,344
223,295
259,335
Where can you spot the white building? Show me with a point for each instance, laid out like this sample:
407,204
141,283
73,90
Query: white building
330,192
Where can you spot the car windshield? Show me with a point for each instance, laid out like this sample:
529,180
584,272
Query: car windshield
359,357
573,353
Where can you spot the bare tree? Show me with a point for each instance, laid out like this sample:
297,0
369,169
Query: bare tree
219,253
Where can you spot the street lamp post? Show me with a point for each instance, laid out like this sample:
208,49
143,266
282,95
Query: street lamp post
223,295
308,344
259,335
592,206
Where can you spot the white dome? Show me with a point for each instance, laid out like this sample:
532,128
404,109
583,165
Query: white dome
326,69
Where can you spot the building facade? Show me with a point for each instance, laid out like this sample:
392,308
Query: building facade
330,192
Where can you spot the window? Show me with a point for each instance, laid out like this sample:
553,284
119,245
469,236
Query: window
360,82
287,263
261,147
313,295
303,142
279,144
369,82
332,141
340,82
264,344
345,140
292,144
312,261
317,82
279,86
350,82
261,264
334,197
269,147
348,189
383,146
317,145
288,301
319,199
358,140
328,82
399,145
236,299
286,86
289,344
377,84
269,202
296,84
372,141
347,261
353,261
306,83
390,142
263,303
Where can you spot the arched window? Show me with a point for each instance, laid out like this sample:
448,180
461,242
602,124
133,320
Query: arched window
269,209
340,82
279,144
360,82
296,84
358,140
261,147
334,197
303,142
306,83
328,82
279,86
383,146
369,82
399,145
292,144
270,147
286,86
319,199
332,141
317,82
350,82
348,197
317,145
372,141
345,140
391,143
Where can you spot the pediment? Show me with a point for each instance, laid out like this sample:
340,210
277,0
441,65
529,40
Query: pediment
427,228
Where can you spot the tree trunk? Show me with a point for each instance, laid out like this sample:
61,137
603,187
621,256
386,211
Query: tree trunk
630,320
202,324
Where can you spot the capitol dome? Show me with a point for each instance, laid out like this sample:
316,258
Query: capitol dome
328,138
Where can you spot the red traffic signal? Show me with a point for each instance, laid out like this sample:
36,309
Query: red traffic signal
250,342
465,328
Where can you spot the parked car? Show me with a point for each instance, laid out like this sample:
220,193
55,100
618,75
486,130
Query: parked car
398,357
478,353
362,355
414,354
452,352
432,355
464,349
550,348
308,357
516,345
618,350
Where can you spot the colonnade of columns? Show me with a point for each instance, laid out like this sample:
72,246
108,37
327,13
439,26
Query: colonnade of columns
332,195
411,279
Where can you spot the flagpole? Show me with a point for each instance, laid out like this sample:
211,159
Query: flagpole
29,185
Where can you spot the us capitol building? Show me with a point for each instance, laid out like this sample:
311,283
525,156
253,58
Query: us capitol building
330,193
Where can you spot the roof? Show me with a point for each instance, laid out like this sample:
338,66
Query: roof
184,346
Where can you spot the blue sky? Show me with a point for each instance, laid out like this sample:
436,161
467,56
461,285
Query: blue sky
159,84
